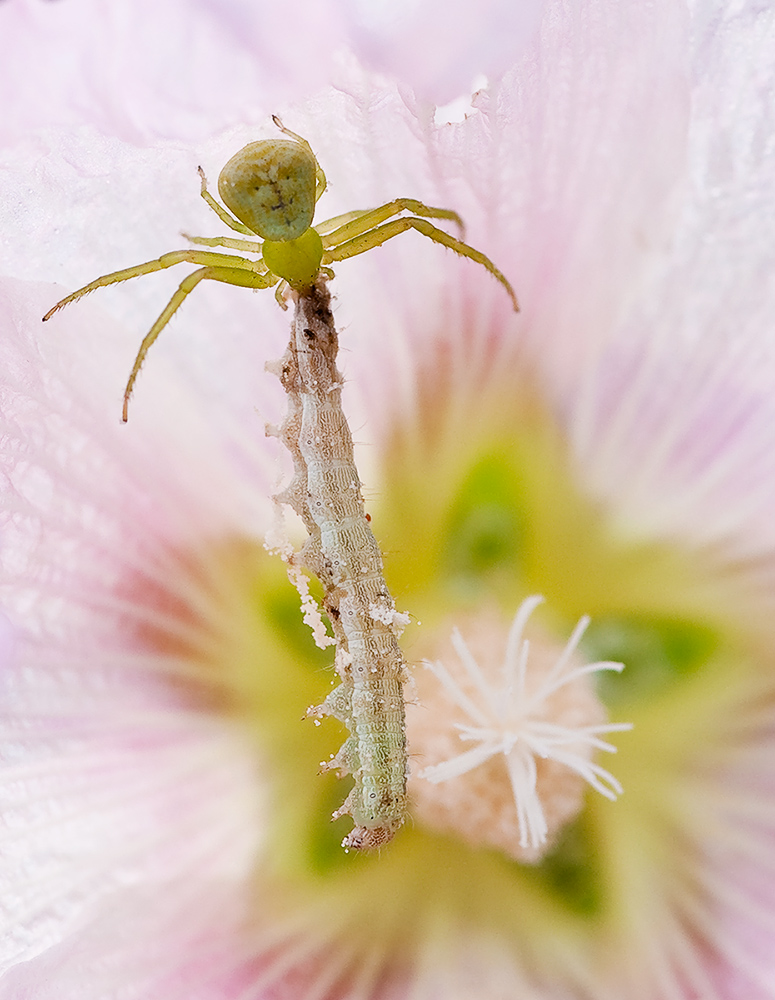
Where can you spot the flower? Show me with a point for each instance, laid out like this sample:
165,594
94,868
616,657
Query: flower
165,830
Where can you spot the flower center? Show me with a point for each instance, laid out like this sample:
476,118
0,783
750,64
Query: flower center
505,741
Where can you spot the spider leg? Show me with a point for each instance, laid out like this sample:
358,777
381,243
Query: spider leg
246,246
320,178
356,223
220,211
281,294
166,260
324,228
229,275
376,237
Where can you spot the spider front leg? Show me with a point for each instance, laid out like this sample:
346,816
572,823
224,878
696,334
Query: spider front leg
379,235
345,227
166,260
233,275
324,229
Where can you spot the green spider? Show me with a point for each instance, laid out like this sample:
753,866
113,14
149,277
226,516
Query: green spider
272,187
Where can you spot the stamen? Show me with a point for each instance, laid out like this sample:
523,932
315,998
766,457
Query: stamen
535,724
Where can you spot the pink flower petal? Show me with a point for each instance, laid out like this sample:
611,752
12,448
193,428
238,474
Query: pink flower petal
439,48
184,68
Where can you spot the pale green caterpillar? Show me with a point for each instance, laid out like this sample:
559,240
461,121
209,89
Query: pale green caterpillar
342,552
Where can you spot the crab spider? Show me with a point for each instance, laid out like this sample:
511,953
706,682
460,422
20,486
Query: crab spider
270,189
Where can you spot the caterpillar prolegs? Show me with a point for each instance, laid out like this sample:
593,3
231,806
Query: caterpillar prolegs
342,552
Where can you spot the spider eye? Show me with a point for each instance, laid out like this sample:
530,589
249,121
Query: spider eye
270,186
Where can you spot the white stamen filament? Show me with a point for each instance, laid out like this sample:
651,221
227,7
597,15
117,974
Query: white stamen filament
506,719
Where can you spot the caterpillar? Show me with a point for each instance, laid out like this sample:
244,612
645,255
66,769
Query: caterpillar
342,552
